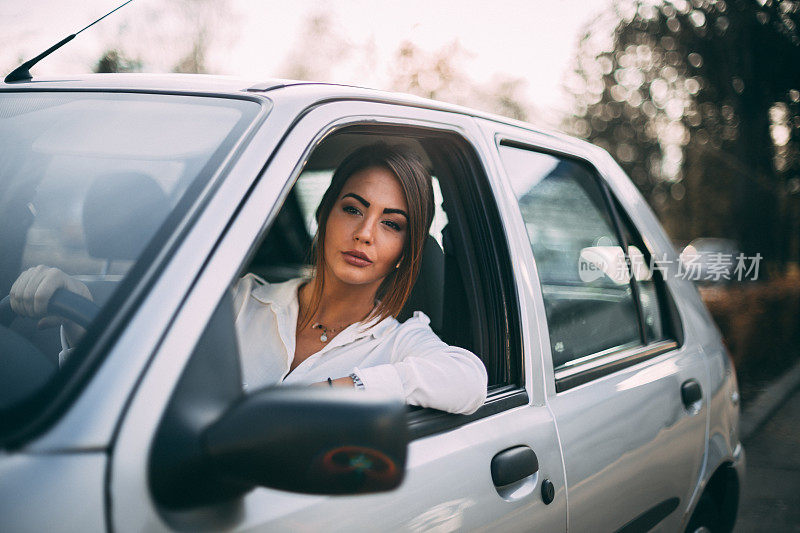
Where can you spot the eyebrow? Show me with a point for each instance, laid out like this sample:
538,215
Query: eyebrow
388,210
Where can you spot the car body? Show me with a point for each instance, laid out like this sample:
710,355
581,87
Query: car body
612,402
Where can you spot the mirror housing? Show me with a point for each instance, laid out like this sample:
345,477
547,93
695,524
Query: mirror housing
312,440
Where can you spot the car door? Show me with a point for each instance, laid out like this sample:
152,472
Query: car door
449,473
628,380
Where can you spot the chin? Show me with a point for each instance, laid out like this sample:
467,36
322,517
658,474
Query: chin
351,275
355,279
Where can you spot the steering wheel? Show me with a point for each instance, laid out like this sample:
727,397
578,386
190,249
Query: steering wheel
26,369
63,303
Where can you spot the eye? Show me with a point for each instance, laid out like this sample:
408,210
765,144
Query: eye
394,225
351,209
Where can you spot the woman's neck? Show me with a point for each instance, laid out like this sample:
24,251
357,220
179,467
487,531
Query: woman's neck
340,304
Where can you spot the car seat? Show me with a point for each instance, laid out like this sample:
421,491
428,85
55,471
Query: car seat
427,295
121,213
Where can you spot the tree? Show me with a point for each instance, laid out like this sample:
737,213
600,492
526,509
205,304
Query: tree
318,50
202,21
439,75
689,98
321,53
115,61
172,36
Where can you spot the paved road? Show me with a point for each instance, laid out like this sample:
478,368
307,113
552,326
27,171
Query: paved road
771,496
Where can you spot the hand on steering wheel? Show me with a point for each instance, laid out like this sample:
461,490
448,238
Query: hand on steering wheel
50,294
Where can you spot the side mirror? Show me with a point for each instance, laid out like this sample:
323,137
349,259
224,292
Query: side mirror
312,440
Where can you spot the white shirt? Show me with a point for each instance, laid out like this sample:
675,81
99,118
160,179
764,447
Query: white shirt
404,360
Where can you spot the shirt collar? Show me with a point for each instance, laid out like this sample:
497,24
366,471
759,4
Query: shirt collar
278,294
380,327
285,294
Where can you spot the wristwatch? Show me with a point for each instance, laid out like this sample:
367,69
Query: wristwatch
357,383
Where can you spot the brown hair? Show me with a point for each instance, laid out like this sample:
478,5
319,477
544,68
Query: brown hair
415,180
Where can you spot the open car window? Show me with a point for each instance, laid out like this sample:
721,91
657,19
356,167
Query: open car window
465,286
459,276
87,180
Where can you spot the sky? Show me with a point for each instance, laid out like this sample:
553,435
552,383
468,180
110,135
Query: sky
530,39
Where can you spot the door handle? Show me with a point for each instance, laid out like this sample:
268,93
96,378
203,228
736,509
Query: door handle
514,464
691,392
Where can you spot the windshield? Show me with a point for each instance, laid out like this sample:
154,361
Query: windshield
86,181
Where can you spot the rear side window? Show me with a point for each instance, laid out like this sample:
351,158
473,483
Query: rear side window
580,258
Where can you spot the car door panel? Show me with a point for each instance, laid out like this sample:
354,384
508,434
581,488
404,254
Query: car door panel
630,444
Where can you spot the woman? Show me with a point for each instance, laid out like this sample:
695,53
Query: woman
339,328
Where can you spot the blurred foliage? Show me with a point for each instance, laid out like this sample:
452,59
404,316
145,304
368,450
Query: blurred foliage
318,49
115,61
172,36
321,49
200,21
759,324
194,62
700,103
440,76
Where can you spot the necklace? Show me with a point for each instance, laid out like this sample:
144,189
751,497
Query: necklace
325,330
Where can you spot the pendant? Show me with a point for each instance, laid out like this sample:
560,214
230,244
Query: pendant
324,336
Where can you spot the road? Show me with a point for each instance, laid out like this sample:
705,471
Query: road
771,495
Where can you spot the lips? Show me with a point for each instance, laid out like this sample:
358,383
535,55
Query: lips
356,258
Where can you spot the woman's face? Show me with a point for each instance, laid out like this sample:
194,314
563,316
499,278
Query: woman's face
366,228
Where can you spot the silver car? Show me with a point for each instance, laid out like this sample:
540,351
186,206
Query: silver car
612,403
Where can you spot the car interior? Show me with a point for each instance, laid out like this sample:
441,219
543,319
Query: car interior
120,212
449,288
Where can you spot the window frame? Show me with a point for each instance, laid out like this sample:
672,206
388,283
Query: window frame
671,322
596,365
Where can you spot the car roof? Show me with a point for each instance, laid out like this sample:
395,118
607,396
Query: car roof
197,83
229,85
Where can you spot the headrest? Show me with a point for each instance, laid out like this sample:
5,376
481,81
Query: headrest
121,213
427,295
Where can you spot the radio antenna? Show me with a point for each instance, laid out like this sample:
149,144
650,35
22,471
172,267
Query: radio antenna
22,72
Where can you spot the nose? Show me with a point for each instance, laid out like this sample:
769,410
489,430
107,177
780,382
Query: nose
363,232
